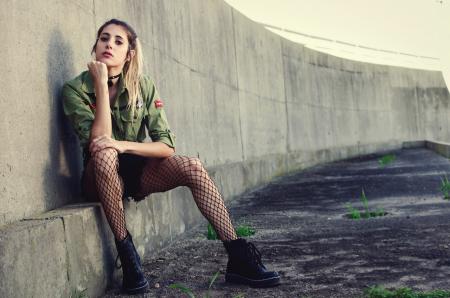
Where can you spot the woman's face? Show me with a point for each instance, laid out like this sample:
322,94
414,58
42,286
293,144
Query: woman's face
112,47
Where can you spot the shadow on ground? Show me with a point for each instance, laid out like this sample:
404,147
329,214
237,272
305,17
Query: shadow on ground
302,232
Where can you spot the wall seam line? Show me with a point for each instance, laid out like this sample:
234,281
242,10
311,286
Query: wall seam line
288,149
237,82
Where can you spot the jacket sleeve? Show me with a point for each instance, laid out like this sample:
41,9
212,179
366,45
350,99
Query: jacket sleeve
79,113
156,120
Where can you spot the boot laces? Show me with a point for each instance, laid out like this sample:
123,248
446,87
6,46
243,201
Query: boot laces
254,254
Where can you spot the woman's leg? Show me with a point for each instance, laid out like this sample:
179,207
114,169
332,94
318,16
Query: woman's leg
161,175
244,260
102,182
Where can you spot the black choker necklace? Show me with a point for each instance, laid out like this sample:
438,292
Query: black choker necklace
110,83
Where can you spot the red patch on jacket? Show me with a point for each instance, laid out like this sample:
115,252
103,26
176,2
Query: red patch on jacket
158,103
92,106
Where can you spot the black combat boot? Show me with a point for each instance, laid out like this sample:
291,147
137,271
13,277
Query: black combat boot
134,281
245,266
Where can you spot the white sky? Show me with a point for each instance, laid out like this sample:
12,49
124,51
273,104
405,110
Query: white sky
418,27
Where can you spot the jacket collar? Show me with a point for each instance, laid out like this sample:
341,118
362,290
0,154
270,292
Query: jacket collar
88,84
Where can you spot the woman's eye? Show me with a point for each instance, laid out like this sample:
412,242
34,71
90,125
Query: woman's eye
119,42
104,38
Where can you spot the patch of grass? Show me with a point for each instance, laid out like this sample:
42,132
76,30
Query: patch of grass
211,234
445,187
244,231
189,292
380,292
241,231
378,212
354,213
386,159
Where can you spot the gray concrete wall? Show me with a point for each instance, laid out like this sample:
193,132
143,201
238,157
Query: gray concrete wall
250,104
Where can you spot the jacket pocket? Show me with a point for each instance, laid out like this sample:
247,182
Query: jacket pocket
131,123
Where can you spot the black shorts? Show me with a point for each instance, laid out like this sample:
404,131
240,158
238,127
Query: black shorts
130,169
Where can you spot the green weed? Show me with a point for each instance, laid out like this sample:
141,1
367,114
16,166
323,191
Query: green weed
379,212
380,292
241,231
213,279
445,187
365,202
244,231
354,213
386,159
211,234
183,289
189,292
79,294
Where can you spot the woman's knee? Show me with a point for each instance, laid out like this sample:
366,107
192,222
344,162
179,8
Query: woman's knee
192,165
105,159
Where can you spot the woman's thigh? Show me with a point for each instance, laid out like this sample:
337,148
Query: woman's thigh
88,183
159,175
89,189
152,174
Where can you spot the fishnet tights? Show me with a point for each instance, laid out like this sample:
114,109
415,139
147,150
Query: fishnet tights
160,175
109,187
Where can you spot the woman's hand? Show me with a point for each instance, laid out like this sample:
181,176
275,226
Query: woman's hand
99,72
102,142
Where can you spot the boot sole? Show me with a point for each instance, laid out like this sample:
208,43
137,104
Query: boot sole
137,290
256,283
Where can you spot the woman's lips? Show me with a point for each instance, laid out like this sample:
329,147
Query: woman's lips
107,55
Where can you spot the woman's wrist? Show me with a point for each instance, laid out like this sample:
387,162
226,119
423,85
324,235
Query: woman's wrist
122,146
101,87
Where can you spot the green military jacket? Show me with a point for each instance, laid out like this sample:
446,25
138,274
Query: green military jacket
79,106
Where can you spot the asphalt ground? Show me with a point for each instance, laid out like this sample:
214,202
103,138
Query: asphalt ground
303,233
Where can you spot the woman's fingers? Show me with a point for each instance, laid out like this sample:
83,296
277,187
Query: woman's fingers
100,143
93,143
93,146
98,70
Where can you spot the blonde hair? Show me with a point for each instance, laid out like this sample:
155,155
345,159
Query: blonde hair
132,69
132,75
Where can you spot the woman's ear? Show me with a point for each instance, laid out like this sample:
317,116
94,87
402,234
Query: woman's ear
131,55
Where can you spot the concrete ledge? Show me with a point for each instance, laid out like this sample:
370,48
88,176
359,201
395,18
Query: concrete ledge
413,144
56,253
439,147
72,248
34,260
